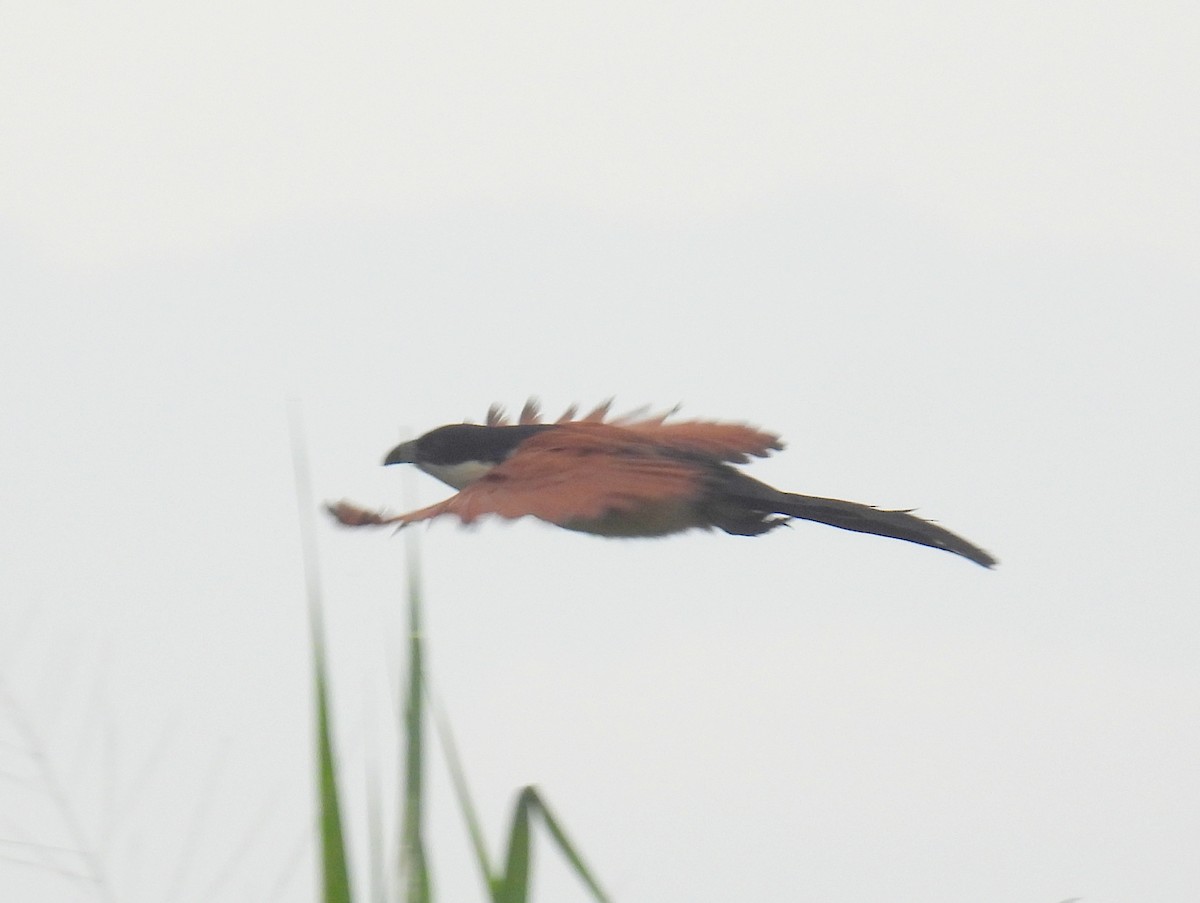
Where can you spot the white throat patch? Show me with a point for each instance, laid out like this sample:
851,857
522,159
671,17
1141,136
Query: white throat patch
457,475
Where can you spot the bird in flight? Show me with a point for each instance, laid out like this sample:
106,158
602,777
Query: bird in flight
633,475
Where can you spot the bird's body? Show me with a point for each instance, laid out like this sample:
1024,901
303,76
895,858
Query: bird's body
632,476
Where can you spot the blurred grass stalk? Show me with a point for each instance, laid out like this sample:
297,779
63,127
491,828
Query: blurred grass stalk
509,884
335,877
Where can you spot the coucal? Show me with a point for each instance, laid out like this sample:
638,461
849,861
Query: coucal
634,475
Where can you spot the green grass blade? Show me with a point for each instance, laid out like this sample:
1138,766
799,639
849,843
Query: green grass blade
514,888
414,869
470,815
564,844
335,878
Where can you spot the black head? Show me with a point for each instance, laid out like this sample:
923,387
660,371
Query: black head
463,442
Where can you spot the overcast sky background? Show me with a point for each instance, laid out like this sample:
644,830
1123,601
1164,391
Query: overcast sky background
949,251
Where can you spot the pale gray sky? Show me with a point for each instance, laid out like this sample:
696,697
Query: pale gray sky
948,251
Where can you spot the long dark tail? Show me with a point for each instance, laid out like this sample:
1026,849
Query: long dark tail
865,519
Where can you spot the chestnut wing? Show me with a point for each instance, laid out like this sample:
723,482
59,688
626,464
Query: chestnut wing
732,442
572,473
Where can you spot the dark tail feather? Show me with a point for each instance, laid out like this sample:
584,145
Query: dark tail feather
865,519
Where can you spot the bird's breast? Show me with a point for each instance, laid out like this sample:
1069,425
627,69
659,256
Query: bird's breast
458,475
